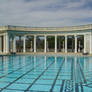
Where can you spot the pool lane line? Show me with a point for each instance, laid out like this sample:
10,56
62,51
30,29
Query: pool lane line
76,87
51,90
39,76
21,76
69,82
85,81
62,86
16,70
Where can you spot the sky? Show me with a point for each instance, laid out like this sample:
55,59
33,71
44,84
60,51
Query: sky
45,13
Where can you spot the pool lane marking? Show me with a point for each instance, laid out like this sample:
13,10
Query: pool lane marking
51,90
62,86
38,77
21,76
85,81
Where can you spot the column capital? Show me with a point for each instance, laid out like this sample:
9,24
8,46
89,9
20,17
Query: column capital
65,35
25,35
75,35
35,35
45,35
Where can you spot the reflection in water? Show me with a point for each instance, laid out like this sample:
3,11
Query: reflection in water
55,62
85,64
90,64
44,62
5,64
24,62
65,63
35,62
2,63
72,74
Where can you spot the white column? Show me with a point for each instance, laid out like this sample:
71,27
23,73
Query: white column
4,44
85,41
65,44
55,43
7,43
45,46
14,44
90,43
24,44
34,43
75,43
0,44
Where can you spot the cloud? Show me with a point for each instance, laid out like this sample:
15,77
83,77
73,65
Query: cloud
47,13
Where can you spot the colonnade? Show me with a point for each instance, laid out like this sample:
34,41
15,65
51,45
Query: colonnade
45,43
5,39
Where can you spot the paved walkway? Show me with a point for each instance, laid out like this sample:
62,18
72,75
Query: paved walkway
47,53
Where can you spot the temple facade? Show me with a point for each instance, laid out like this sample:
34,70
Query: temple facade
75,39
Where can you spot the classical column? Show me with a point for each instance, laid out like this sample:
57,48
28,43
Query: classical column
55,43
45,46
34,43
14,44
24,44
90,43
65,44
0,44
75,43
85,41
6,43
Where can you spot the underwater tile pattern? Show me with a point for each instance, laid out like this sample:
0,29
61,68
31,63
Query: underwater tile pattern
40,73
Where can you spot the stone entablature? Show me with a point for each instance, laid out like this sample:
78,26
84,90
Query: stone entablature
52,29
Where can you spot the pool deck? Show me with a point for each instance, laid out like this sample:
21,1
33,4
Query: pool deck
47,53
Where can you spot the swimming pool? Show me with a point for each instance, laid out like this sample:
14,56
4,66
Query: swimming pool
40,73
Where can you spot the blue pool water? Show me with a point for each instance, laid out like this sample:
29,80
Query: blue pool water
31,73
